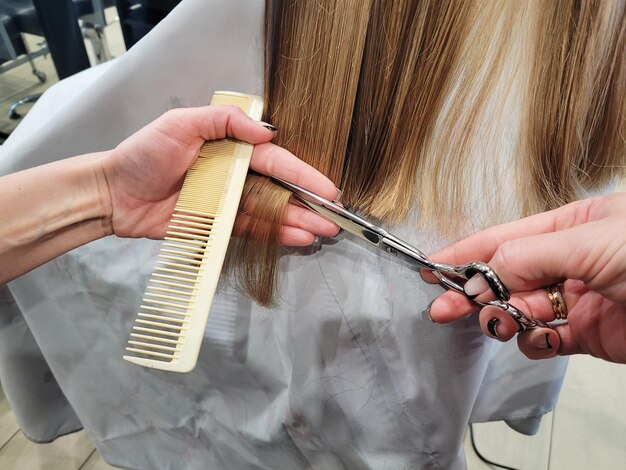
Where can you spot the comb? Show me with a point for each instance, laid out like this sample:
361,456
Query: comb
169,328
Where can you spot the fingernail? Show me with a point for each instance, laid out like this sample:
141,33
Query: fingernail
426,311
475,286
268,126
338,196
491,327
428,280
542,342
316,245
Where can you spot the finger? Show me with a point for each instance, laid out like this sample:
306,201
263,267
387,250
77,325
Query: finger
288,236
309,221
526,264
536,305
535,343
428,276
540,306
298,216
216,122
542,344
497,324
451,306
594,327
569,344
293,236
483,245
271,160
539,343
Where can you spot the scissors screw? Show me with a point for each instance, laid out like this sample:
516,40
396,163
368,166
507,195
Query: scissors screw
391,251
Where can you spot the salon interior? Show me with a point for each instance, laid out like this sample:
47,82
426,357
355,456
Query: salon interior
43,42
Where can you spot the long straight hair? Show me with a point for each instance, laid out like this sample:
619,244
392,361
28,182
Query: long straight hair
465,112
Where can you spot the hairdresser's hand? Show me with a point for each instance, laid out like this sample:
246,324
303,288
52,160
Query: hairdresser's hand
583,245
144,173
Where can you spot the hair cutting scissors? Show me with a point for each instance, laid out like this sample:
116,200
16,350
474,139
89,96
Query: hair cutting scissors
450,276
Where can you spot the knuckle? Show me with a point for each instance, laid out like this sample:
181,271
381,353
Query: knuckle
173,114
507,257
523,305
230,111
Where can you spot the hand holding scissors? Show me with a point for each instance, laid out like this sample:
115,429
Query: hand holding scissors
566,267
452,277
567,264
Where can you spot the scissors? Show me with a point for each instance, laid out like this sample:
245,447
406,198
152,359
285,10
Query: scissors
452,277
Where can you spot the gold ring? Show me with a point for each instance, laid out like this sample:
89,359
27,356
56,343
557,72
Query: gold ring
558,303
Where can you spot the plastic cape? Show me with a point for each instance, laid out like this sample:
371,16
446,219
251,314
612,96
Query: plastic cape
345,373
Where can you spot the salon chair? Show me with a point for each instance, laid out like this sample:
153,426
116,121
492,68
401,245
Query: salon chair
57,22
138,17
13,50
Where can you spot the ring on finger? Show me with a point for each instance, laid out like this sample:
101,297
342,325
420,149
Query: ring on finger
558,303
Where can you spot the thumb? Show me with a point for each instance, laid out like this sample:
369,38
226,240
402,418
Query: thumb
540,343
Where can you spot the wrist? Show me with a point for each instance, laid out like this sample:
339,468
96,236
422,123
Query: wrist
101,187
51,209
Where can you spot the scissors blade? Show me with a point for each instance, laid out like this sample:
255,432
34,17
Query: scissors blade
340,215
347,224
448,275
358,226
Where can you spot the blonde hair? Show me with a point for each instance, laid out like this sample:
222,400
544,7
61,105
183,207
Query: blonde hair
427,104
573,137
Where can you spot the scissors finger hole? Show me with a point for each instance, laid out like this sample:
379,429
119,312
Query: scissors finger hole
497,324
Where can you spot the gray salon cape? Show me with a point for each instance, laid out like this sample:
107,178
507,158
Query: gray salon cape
346,373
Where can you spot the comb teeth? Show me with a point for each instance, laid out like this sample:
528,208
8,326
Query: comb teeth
170,298
170,323
163,320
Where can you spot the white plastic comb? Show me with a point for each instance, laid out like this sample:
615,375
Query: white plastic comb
169,327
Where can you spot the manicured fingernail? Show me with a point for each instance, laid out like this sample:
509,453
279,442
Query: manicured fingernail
476,286
542,341
491,327
426,311
338,196
430,279
268,126
316,245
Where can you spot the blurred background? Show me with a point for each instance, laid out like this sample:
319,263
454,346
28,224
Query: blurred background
44,41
